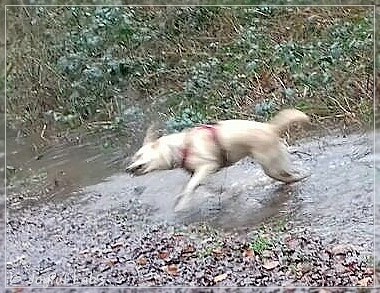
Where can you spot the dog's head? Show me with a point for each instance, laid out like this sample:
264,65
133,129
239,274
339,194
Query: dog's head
149,157
145,159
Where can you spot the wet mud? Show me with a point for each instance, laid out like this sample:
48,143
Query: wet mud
241,229
336,200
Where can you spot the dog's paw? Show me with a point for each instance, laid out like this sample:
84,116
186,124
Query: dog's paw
299,175
181,203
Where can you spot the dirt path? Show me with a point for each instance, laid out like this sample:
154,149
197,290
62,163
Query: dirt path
241,229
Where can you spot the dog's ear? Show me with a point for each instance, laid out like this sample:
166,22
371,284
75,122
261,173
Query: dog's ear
151,134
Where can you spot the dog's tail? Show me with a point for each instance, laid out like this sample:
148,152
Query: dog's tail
286,117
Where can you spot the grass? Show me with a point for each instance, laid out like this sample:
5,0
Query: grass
260,244
115,69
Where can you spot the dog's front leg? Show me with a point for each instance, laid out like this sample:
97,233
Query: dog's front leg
199,175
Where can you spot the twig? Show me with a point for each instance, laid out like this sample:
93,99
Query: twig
348,104
331,116
304,92
279,80
233,25
259,12
258,83
42,135
340,106
100,123
300,152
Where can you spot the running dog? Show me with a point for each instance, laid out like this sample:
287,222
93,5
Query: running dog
205,149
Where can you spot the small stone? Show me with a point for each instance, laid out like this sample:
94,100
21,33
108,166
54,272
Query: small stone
270,265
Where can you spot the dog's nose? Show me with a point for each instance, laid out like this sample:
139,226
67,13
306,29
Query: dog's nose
133,169
128,169
130,165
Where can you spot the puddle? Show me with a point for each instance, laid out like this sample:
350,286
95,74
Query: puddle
337,197
52,232
57,173
336,200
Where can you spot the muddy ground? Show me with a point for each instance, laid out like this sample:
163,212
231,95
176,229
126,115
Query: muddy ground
93,225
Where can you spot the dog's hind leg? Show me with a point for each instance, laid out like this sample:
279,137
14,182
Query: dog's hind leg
283,175
276,164
199,175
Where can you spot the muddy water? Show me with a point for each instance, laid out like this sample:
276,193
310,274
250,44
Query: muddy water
338,196
49,232
35,178
336,200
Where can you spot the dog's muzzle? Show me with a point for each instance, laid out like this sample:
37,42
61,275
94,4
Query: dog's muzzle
135,169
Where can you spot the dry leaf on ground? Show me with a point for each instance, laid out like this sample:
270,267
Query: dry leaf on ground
364,282
172,269
269,265
220,278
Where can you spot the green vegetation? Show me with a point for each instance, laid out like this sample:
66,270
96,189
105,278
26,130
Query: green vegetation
260,244
116,68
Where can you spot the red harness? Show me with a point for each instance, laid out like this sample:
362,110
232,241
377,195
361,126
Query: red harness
214,135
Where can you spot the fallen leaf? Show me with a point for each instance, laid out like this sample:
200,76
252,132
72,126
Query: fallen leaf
220,278
248,253
269,265
142,261
163,255
188,249
172,269
364,282
292,244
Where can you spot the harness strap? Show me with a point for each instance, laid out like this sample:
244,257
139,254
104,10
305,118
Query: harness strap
185,154
214,134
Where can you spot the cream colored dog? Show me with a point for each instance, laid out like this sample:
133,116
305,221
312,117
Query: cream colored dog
204,150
